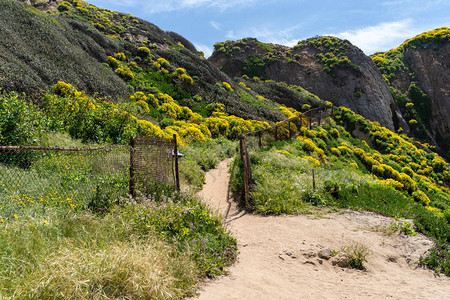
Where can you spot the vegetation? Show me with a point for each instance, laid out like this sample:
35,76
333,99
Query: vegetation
394,177
63,235
333,53
393,63
358,254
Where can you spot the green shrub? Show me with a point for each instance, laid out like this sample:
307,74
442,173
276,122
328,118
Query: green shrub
20,122
144,51
185,222
125,73
358,254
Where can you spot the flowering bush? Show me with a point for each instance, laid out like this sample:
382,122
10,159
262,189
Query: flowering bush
170,109
421,197
125,73
163,62
144,51
227,86
113,62
120,56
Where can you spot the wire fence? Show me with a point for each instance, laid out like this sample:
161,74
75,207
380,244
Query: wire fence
33,179
264,138
153,161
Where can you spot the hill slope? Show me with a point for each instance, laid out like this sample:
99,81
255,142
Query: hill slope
333,69
44,42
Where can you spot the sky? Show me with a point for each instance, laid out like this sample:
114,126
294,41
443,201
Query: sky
371,25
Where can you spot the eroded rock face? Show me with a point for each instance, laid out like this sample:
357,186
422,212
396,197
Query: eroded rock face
359,87
431,69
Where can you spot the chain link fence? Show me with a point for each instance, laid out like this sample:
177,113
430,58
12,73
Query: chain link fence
33,179
153,162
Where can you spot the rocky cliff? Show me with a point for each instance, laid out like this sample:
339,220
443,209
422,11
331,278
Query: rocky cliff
330,68
418,72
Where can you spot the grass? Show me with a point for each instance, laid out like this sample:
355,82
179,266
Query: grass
68,180
357,255
201,157
82,256
344,179
155,247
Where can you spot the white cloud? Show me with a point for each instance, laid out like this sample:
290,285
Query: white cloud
381,37
215,25
206,50
281,37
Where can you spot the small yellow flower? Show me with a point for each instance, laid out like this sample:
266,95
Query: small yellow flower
15,216
45,222
1,221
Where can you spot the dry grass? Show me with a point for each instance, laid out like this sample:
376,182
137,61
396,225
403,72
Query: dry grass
146,271
90,259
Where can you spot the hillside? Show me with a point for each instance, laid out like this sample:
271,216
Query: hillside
418,75
73,74
49,41
330,68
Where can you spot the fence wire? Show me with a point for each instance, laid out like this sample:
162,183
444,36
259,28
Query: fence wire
152,162
36,178
33,179
264,138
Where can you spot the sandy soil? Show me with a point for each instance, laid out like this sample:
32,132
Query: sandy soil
278,255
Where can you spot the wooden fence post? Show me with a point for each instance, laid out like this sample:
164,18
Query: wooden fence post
175,153
132,168
314,180
245,163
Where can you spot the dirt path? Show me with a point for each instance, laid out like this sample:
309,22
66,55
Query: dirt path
278,256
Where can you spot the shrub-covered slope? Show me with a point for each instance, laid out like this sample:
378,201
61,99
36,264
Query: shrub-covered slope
357,164
49,41
330,68
37,50
418,75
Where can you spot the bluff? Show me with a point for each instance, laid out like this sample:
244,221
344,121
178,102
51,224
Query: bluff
418,72
328,67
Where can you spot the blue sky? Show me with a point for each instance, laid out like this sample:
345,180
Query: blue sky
369,24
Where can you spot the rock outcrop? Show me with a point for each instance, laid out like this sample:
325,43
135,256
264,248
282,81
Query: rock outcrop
419,74
430,67
330,68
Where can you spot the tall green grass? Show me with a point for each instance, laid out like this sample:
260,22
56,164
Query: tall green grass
84,246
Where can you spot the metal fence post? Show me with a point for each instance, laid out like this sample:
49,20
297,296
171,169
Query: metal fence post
177,173
132,168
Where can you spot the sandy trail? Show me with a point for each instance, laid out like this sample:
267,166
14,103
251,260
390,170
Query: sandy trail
278,255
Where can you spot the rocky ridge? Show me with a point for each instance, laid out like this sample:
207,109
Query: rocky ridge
330,68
